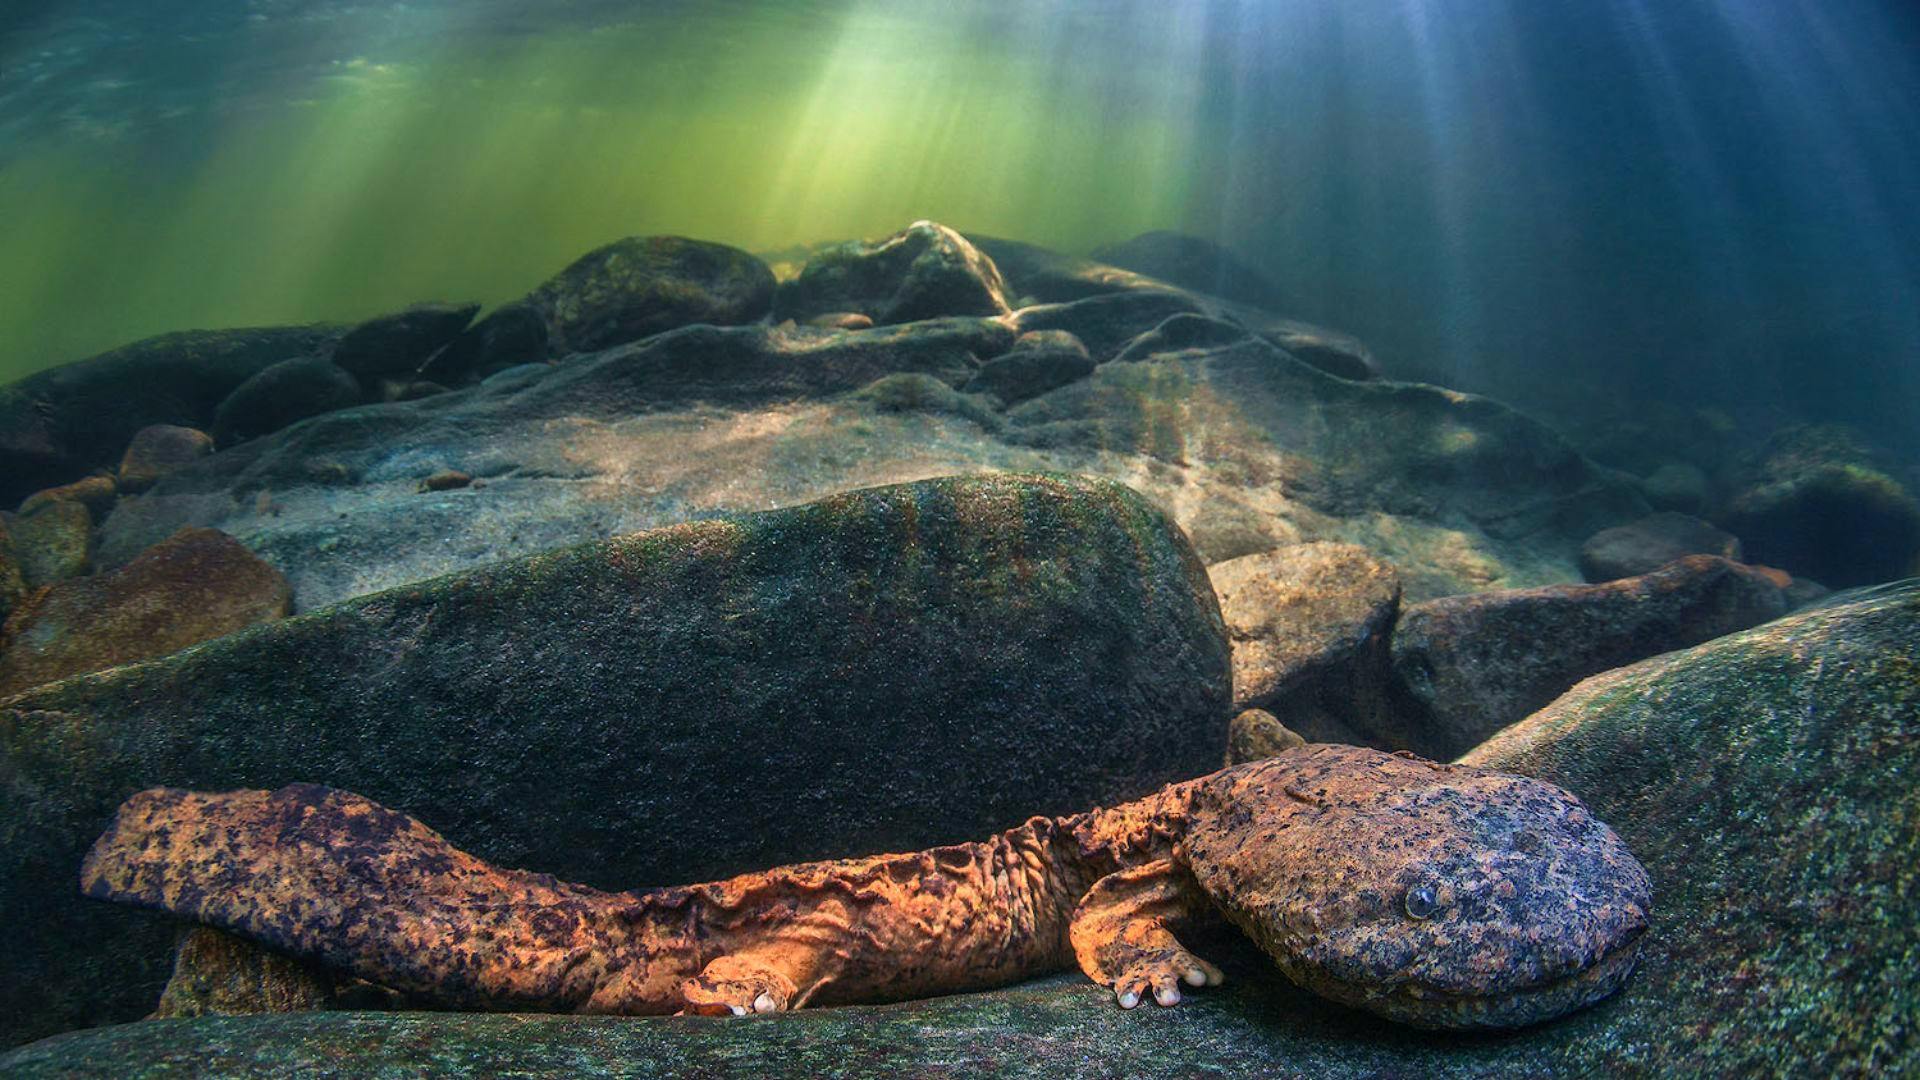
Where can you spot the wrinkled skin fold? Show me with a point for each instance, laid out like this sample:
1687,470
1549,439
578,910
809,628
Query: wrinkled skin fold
1440,896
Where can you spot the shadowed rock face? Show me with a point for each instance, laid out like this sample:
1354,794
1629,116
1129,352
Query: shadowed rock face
907,665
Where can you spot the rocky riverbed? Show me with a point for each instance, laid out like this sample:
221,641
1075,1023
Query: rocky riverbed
685,564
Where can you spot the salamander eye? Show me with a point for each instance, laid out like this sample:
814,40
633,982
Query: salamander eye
1422,901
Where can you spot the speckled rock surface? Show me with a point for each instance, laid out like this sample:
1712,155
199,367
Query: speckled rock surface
1256,734
1309,625
195,586
97,493
1764,779
1466,666
645,285
217,974
881,671
53,543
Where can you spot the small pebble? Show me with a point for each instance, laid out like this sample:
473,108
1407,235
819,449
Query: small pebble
449,480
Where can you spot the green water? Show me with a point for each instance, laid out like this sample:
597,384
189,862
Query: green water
475,166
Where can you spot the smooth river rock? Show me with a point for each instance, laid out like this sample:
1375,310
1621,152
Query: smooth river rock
1309,625
195,586
885,669
1765,780
1467,666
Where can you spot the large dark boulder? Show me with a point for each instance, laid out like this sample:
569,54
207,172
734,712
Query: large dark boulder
283,394
60,423
925,271
397,346
646,285
1764,780
882,670
1467,666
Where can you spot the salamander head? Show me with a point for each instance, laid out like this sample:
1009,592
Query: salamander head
1439,896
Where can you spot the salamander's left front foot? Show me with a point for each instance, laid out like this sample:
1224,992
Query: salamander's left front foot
737,985
1122,937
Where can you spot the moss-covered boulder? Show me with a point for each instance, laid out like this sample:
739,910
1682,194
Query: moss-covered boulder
882,670
924,271
1765,780
646,285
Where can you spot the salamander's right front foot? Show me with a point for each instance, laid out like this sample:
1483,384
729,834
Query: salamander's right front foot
1158,970
736,986
1122,937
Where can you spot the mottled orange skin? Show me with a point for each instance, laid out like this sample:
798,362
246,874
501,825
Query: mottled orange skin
339,879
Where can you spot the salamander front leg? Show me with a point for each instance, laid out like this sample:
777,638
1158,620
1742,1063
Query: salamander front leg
1122,933
738,984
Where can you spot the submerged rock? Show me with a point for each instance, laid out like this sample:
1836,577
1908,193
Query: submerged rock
645,285
53,543
1108,323
12,584
1819,506
1651,543
1040,360
217,974
1309,625
197,586
1248,447
925,271
283,394
1764,780
398,345
1181,332
1467,666
1256,734
886,669
1193,263
96,493
157,450
60,423
511,335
